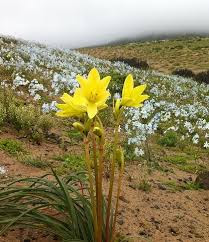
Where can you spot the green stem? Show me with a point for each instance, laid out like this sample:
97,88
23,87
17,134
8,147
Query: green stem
91,183
111,181
117,201
95,169
100,176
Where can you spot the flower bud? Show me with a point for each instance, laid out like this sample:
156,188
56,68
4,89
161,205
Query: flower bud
87,125
117,108
120,157
98,131
78,126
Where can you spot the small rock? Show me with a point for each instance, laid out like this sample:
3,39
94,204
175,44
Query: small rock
187,179
120,221
142,232
122,198
154,220
188,197
174,230
190,178
203,180
156,206
132,186
161,187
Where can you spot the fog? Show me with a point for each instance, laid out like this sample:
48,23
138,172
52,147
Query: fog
79,23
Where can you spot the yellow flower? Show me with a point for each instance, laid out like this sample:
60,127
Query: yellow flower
132,97
93,91
90,97
73,106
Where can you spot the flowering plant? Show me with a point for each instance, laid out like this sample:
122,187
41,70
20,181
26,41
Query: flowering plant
85,104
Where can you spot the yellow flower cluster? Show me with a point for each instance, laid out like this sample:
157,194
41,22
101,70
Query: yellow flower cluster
92,95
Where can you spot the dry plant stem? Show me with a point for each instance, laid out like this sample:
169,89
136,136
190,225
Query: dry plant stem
95,169
91,183
117,201
111,181
100,176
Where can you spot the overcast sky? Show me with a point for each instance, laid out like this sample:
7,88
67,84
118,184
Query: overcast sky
77,23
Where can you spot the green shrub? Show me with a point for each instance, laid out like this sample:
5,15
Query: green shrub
144,186
45,123
170,139
70,162
23,117
184,72
11,146
30,121
75,136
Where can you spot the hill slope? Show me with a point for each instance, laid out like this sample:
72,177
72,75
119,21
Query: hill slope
168,136
162,55
42,73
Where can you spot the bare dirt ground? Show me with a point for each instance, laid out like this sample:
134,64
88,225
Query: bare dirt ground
161,214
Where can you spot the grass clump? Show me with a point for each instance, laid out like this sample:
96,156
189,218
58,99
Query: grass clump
193,168
170,139
75,137
177,159
13,147
185,163
30,121
33,161
174,186
70,162
192,186
144,186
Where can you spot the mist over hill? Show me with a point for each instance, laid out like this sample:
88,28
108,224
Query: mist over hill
152,37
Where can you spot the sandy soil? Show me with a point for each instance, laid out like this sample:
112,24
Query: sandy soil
158,215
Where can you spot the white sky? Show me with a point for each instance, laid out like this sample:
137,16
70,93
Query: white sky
76,23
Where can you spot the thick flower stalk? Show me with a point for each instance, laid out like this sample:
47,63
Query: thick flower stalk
131,97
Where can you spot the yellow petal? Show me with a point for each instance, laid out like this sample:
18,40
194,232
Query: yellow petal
82,81
62,114
126,101
136,105
128,86
93,75
78,98
66,98
91,110
105,82
61,105
103,96
141,98
103,106
139,89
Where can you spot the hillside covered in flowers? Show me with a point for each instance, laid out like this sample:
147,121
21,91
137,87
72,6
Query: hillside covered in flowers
166,140
41,73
